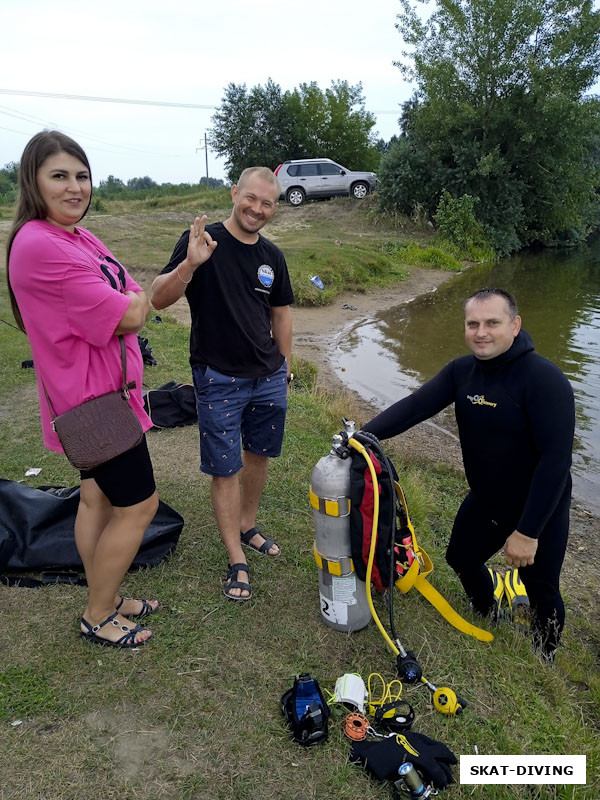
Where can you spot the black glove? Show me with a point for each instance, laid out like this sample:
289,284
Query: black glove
384,757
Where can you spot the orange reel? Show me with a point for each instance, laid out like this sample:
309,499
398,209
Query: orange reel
356,727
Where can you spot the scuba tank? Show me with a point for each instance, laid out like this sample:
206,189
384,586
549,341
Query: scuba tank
343,595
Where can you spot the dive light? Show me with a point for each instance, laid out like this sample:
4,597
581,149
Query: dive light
410,783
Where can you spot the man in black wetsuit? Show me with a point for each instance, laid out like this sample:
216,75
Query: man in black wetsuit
239,292
516,416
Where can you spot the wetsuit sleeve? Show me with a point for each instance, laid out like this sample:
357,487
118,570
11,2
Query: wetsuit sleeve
426,402
551,416
178,255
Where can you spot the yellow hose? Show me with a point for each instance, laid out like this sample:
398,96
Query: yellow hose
457,703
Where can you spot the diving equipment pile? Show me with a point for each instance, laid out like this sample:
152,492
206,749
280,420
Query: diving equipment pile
422,765
363,535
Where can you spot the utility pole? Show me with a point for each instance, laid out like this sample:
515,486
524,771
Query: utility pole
205,148
206,156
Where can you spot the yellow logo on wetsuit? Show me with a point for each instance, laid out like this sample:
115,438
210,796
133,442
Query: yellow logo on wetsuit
403,742
479,400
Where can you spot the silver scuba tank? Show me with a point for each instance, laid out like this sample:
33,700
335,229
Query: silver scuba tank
343,595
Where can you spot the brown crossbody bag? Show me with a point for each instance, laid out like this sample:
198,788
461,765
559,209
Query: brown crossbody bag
100,429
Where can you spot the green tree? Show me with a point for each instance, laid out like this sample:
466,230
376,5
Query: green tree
111,186
8,181
333,124
265,126
212,183
500,113
137,184
251,127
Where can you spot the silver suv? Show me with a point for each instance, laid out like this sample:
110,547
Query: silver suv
321,177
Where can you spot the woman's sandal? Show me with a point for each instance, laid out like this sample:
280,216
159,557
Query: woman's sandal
145,612
231,582
264,548
127,640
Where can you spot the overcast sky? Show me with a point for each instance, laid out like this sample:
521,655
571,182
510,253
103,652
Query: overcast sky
180,52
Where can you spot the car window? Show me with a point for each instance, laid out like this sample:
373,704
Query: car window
292,170
330,169
306,170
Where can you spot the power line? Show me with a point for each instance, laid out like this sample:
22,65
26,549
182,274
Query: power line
32,120
58,96
12,130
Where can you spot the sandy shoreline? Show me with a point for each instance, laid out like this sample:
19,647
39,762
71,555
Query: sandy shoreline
317,331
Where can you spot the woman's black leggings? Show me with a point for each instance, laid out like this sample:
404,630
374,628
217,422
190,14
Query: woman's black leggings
476,537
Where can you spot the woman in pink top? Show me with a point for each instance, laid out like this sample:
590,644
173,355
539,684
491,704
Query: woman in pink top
72,298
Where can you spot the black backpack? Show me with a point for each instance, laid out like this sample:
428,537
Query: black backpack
172,405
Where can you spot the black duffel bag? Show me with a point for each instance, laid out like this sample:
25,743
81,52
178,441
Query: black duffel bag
36,530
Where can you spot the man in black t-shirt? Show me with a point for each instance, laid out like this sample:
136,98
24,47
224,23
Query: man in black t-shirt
239,292
516,416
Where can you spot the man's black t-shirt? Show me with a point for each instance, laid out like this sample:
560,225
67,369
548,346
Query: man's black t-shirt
230,298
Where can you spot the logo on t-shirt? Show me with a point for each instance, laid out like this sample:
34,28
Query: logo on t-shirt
114,272
266,275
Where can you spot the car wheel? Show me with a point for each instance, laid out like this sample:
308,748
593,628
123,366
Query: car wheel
359,190
296,196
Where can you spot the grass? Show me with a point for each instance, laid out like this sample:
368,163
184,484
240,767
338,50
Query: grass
341,240
195,714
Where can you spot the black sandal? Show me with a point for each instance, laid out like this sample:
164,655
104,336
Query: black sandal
127,640
264,548
231,582
145,612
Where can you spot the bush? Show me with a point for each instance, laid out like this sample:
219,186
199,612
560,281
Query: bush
455,217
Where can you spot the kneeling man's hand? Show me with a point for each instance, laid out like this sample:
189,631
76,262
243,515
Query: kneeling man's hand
519,550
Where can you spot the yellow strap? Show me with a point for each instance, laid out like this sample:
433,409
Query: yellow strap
421,566
339,507
448,613
408,580
417,575
331,566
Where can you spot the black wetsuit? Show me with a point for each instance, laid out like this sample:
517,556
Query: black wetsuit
516,417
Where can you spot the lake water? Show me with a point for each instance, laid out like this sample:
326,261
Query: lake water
559,301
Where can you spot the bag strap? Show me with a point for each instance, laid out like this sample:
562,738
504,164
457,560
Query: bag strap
125,387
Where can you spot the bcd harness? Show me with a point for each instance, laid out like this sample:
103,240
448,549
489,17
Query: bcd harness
394,529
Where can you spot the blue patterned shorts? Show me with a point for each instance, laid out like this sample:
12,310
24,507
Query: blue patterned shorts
229,408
